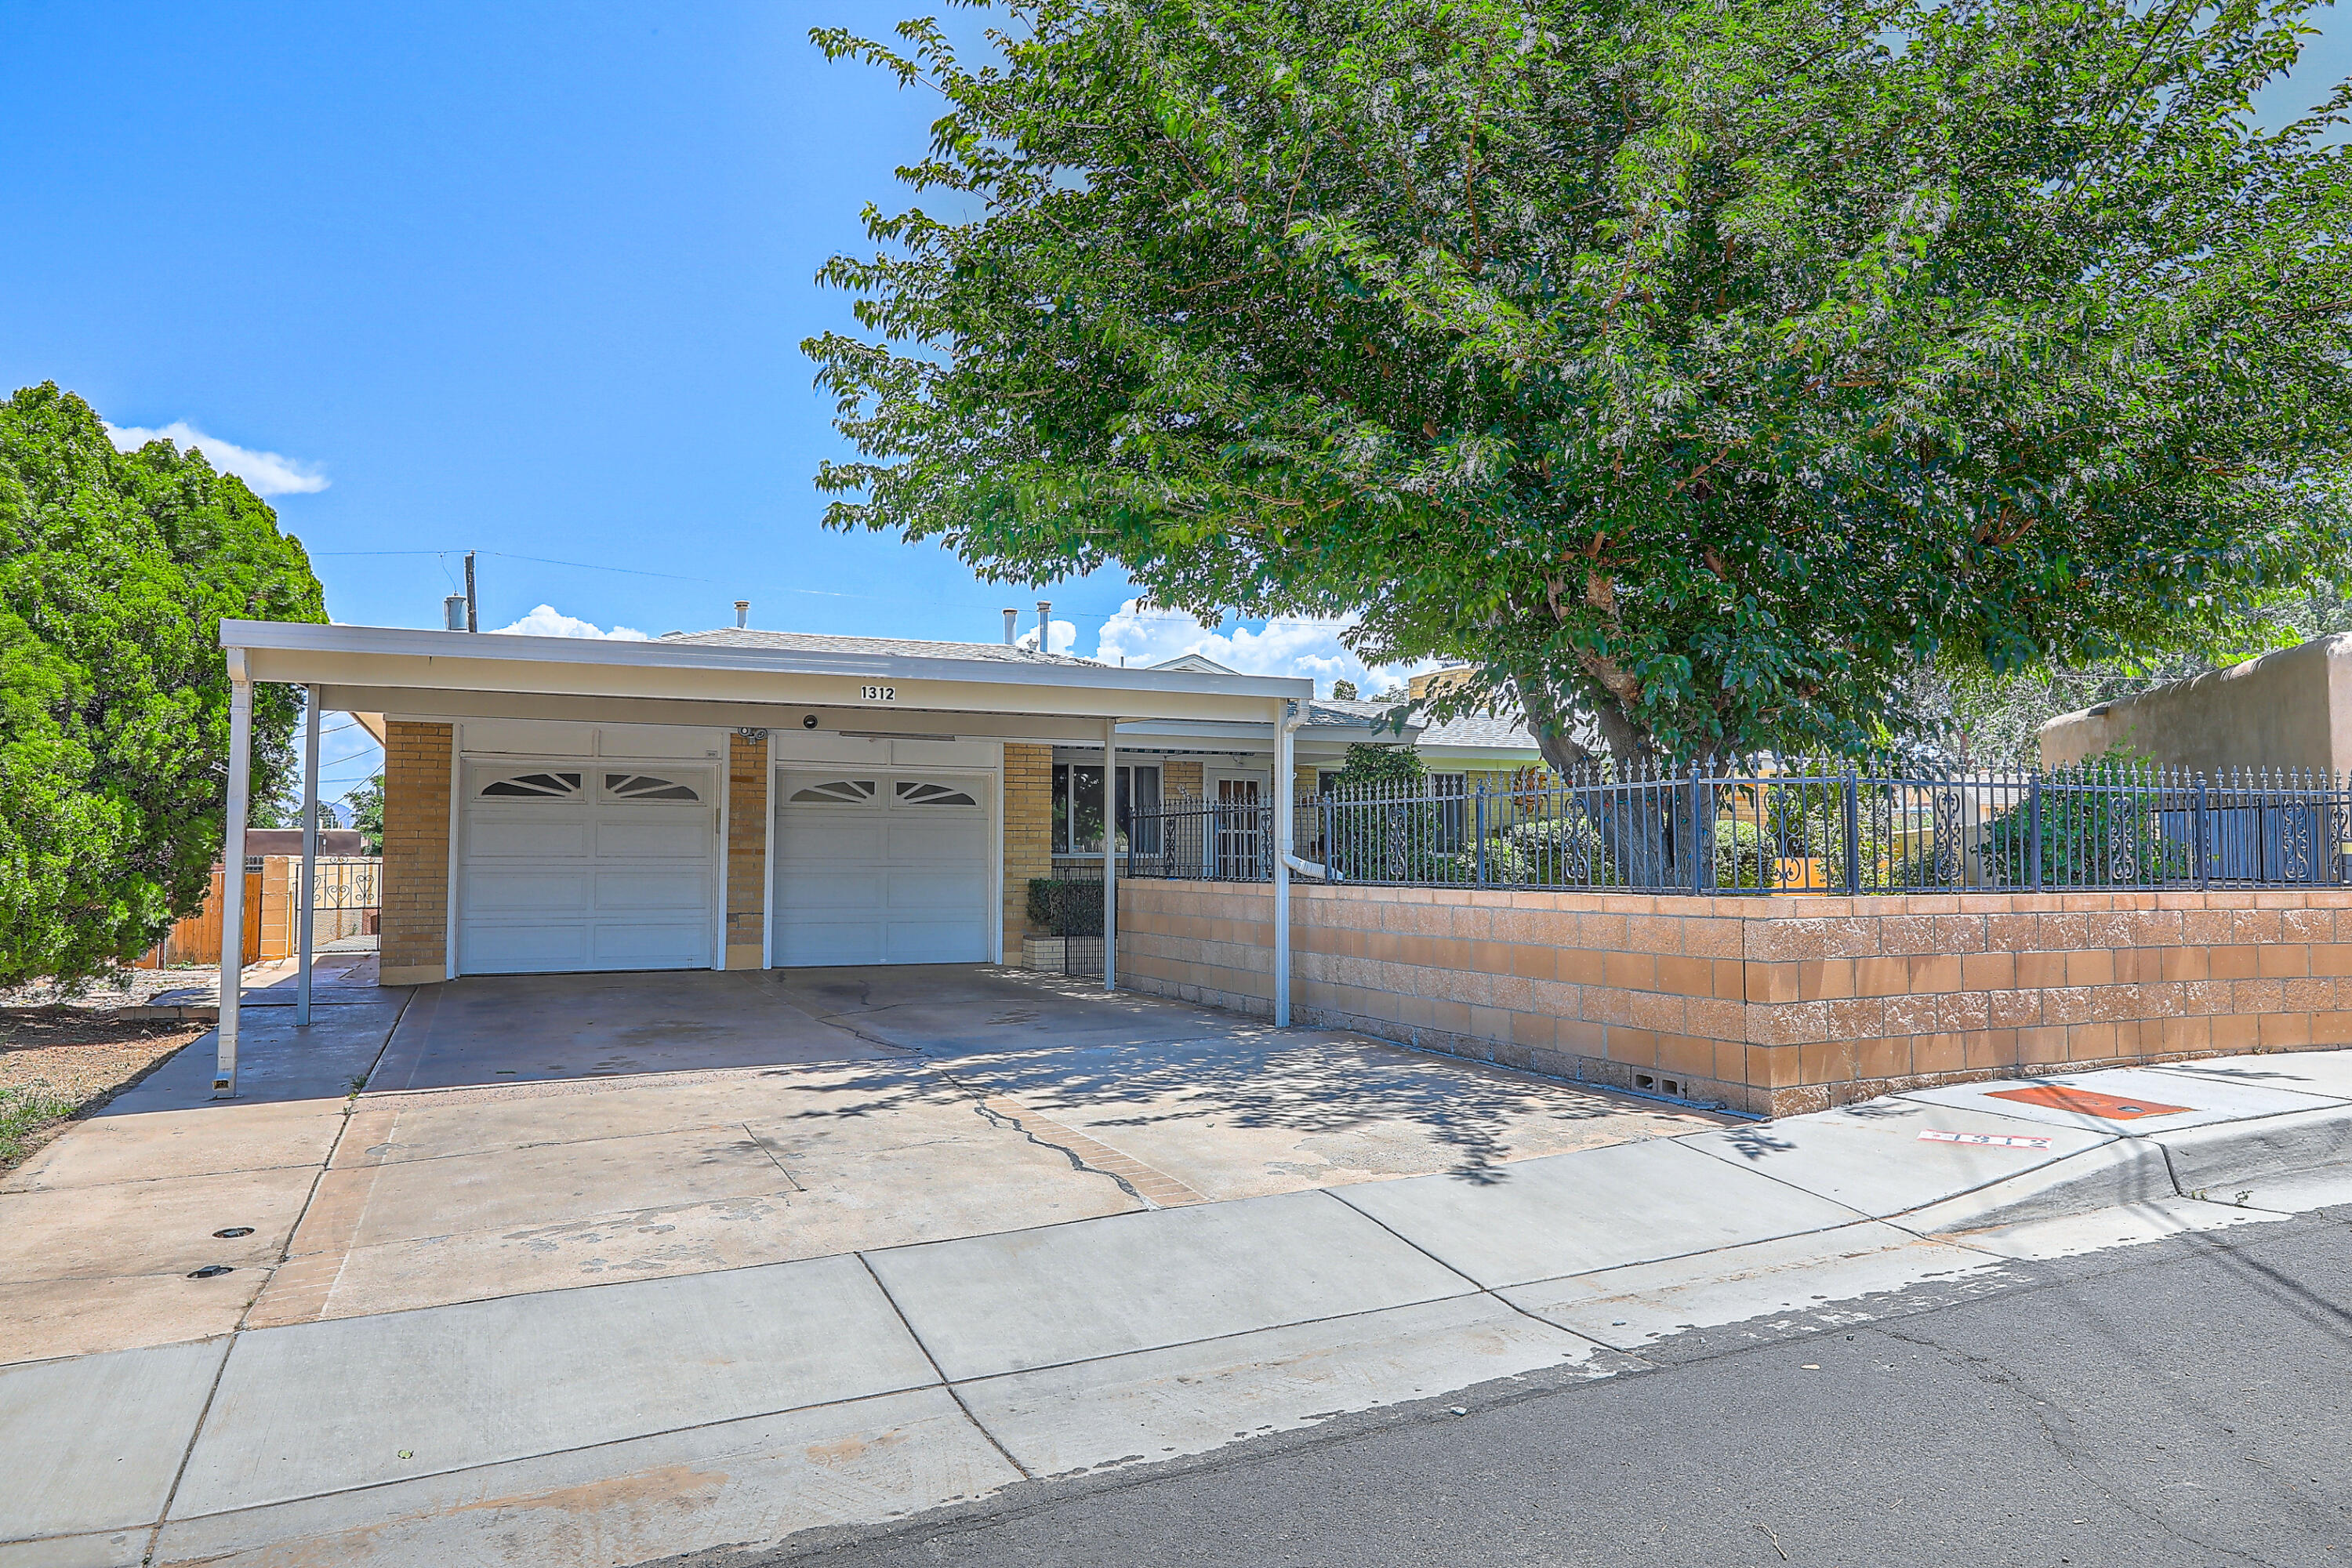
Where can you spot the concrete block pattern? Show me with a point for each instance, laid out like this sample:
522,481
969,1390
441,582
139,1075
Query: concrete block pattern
1775,1005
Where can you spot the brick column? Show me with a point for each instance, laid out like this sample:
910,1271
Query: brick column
417,763
747,852
1028,835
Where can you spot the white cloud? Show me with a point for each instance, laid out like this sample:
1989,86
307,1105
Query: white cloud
1308,648
268,473
547,621
1066,637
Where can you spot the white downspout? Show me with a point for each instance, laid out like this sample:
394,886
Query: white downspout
232,961
310,886
1110,854
1290,716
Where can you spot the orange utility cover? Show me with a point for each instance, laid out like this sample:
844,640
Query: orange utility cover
2089,1102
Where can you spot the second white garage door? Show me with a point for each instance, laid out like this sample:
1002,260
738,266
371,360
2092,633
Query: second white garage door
877,868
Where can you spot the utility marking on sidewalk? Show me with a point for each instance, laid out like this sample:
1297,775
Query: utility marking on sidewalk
1989,1139
2089,1102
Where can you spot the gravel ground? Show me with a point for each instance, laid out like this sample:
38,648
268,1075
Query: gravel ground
56,1061
123,988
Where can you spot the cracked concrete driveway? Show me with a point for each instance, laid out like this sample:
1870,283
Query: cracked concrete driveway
534,1133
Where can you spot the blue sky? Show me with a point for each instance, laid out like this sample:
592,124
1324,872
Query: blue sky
522,279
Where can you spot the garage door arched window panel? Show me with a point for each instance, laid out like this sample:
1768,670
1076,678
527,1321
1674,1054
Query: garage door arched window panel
921,792
533,787
835,791
650,786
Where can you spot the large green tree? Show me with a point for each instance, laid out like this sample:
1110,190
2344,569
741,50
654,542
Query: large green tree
116,570
1699,369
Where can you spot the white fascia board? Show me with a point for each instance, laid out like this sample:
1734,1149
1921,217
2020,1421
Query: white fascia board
387,656
1525,756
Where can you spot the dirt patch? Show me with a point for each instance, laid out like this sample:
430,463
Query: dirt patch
59,1061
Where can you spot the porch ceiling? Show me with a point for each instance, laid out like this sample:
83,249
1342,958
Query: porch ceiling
465,675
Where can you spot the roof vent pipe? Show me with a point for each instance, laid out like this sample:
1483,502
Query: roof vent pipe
1045,625
1012,627
742,613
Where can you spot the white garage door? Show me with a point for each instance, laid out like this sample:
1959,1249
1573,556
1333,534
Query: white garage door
587,865
872,867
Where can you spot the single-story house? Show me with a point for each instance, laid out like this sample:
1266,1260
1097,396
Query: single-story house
743,798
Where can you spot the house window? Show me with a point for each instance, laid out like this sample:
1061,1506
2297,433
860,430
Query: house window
1452,792
1077,808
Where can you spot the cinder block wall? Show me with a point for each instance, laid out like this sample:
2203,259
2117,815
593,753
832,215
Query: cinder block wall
1776,1005
417,760
747,852
1028,835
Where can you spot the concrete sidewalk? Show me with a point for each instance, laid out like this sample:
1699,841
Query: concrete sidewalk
621,1423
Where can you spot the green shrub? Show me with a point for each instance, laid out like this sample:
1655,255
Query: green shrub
1062,906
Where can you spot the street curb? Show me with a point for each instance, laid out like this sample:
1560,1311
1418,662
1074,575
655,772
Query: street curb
2139,1167
2107,1175
2226,1154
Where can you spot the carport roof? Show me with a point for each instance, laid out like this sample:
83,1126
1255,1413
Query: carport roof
863,685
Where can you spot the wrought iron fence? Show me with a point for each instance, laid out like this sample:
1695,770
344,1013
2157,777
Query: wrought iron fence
346,897
1201,840
1797,828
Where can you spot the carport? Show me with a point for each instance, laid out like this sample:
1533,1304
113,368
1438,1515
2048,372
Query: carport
558,804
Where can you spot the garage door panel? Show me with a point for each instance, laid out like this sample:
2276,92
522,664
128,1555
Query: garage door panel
624,890
855,838
495,948
650,945
686,839
526,890
828,942
936,840
491,838
913,890
836,892
936,942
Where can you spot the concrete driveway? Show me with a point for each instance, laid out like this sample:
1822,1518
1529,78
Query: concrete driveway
534,1133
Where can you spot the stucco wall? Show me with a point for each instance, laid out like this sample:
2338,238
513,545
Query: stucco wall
2291,709
1775,1005
417,760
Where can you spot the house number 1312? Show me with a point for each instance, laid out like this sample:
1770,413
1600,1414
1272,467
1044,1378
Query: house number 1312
880,693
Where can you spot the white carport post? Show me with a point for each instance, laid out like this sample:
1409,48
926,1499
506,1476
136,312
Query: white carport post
232,959
1283,769
310,889
1110,854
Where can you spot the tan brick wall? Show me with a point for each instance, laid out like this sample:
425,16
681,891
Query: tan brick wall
1180,778
417,758
1776,1005
1028,835
747,852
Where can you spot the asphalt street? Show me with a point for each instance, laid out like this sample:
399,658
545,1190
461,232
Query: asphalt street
2184,1402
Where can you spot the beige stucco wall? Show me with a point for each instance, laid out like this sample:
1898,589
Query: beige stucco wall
2291,709
417,760
1774,1006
